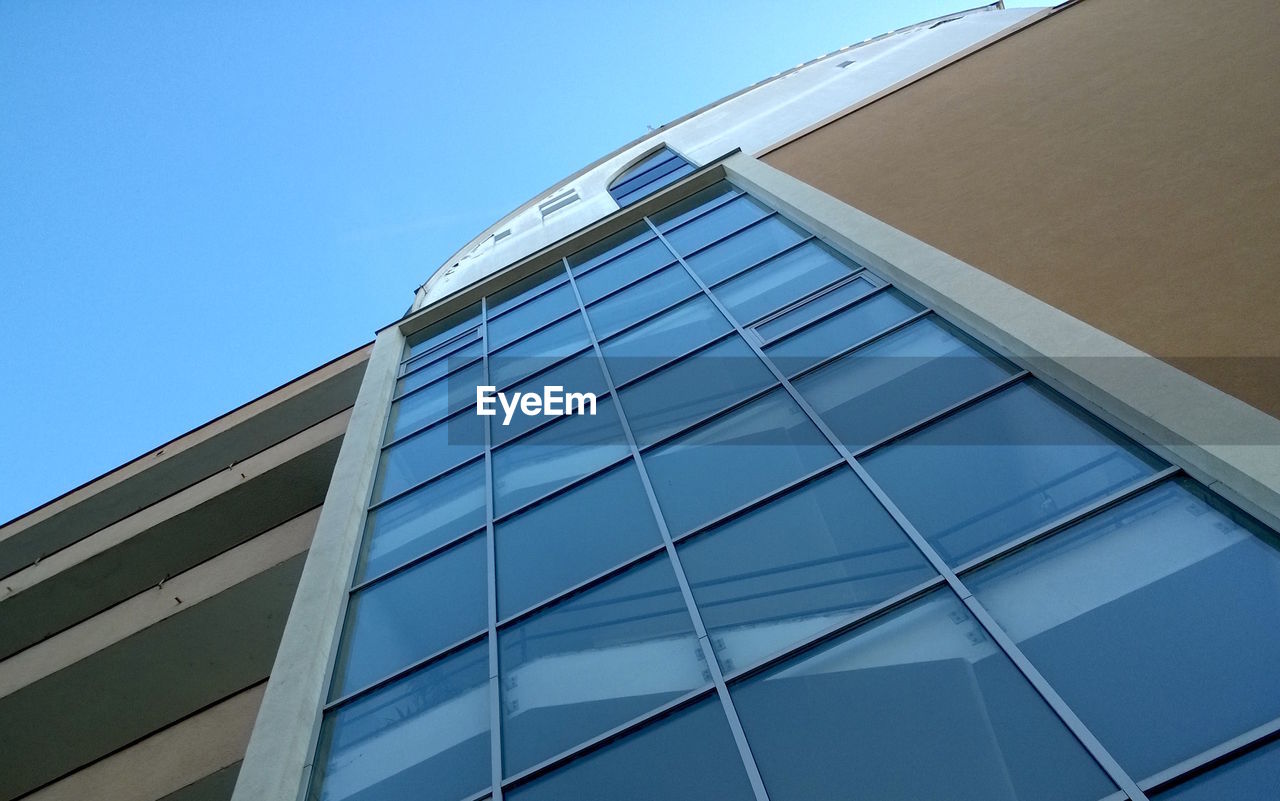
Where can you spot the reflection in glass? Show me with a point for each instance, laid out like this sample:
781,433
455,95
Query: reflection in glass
1002,467
715,224
434,401
428,372
811,345
743,249
692,206
623,270
1179,597
919,704
1254,775
610,246
580,374
646,347
425,736
797,566
428,453
534,314
658,291
781,280
441,332
594,661
512,296
814,308
538,351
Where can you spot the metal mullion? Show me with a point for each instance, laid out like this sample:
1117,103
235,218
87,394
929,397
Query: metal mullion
763,500
447,349
548,286
651,316
516,618
468,462
526,335
1006,644
776,254
433,381
840,354
876,289
541,424
695,350
400,673
545,368
653,172
577,482
632,283
417,560
733,407
710,206
1212,758
491,561
448,415
686,591
640,242
945,412
1071,519
616,733
731,234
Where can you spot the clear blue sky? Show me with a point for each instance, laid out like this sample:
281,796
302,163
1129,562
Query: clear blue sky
200,201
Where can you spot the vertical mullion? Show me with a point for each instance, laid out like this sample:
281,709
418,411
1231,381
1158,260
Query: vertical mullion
491,561
704,642
1086,738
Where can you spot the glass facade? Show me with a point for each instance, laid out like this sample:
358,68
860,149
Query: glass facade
815,541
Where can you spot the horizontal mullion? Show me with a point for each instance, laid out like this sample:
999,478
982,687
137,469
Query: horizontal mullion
412,667
653,172
707,208
451,344
733,407
541,327
782,252
434,381
633,282
417,560
876,289
694,351
1214,757
943,413
449,413
542,370
650,317
860,275
1070,519
541,499
595,743
541,424
840,354
722,237
641,241
468,462
553,283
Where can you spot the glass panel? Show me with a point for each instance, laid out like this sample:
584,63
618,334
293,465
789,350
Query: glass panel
433,402
412,615
609,247
623,270
594,661
524,289
560,543
637,171
781,280
579,374
539,351
735,459
715,224
919,704
425,736
646,172
900,380
679,172
431,371
691,389
1181,599
663,338
798,566
537,312
445,444
744,249
656,292
1255,775
1000,468
442,331
689,756
827,338
424,519
692,206
813,309
553,456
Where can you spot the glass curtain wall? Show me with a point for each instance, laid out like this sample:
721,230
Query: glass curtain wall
814,542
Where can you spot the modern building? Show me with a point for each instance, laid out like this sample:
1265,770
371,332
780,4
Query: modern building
926,447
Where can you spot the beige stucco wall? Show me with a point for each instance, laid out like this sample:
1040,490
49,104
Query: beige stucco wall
1119,160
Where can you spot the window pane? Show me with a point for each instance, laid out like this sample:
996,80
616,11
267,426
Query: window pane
524,289
689,756
412,615
663,338
539,351
609,247
622,270
579,374
445,444
537,312
656,292
425,736
915,705
553,456
442,331
646,172
680,171
421,376
780,281
827,338
692,206
998,469
735,459
1255,775
744,249
424,519
797,566
815,308
595,661
1180,598
689,390
900,380
560,543
430,404
715,224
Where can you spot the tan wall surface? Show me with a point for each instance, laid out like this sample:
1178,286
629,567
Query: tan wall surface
1119,160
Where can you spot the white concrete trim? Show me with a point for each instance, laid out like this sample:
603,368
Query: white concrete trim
278,760
1217,438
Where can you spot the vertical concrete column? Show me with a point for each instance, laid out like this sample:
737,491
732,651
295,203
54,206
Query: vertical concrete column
278,759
